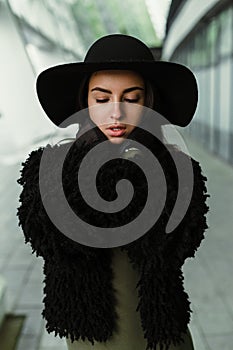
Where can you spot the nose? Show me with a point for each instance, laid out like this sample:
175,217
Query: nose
116,112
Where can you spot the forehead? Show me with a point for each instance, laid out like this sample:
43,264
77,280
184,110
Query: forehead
116,77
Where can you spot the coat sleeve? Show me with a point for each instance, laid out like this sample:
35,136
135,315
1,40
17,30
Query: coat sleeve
186,238
36,225
30,213
43,236
76,276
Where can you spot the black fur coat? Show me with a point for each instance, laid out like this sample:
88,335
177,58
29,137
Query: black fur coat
79,299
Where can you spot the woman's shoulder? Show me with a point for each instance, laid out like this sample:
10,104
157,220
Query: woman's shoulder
176,154
49,152
30,166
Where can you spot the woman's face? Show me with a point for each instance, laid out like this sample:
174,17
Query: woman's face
115,119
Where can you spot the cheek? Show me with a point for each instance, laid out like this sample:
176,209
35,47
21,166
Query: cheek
93,113
89,100
134,114
96,115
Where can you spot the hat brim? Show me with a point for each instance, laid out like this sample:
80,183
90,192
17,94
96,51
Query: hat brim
57,87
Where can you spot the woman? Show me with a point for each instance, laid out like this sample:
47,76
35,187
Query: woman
130,295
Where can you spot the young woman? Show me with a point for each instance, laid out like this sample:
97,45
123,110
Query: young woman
126,295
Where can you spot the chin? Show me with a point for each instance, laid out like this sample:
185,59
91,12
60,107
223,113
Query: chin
116,140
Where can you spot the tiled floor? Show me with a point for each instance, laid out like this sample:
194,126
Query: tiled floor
208,277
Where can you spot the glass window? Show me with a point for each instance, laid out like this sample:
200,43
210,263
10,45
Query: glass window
213,40
226,32
209,43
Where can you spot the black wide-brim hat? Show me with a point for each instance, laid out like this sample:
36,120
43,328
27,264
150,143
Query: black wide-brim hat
57,87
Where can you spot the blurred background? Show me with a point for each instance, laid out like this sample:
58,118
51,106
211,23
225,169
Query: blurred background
35,35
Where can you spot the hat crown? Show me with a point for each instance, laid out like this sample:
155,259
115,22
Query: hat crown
118,48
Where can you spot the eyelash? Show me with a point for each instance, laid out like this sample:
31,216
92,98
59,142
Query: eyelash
101,101
131,100
126,99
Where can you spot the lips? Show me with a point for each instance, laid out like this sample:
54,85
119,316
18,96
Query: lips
116,130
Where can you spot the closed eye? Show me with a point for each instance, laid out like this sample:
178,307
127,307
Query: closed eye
130,100
102,100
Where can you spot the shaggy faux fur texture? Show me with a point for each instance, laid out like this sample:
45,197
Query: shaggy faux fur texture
79,299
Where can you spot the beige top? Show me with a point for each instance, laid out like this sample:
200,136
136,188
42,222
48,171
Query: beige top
130,335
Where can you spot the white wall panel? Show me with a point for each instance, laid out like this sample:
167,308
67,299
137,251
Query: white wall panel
22,118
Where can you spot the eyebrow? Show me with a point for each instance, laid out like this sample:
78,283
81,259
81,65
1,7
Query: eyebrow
97,88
